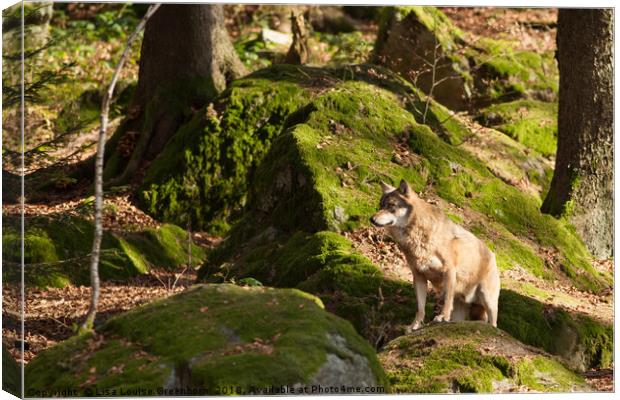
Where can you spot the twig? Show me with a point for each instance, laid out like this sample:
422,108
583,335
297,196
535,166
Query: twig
434,72
160,281
105,106
176,278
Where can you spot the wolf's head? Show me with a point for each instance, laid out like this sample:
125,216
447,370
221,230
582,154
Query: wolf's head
395,207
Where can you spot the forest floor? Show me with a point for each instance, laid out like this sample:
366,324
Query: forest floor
52,314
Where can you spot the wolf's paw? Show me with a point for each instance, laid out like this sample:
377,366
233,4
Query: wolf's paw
413,327
440,318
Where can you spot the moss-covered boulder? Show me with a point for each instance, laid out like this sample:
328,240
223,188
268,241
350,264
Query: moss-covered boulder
57,250
530,122
321,177
323,172
424,46
11,373
473,357
214,339
412,40
511,161
380,308
202,172
326,265
582,341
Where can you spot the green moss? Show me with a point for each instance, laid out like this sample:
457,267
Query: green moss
512,73
166,246
343,148
326,265
547,375
532,291
434,20
581,340
431,19
511,161
352,287
109,360
219,335
533,123
598,341
57,251
470,357
511,252
464,368
440,119
11,373
202,173
283,263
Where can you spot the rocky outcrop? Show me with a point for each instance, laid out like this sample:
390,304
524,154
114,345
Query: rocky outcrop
472,357
214,339
57,250
423,45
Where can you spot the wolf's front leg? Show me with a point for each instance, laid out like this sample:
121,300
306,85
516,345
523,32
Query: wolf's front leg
420,294
449,285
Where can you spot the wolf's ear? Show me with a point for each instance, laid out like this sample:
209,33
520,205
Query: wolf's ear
386,188
404,188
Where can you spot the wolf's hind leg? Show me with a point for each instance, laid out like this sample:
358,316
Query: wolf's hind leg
492,316
490,305
477,312
459,311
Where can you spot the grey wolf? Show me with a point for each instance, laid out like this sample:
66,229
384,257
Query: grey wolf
456,262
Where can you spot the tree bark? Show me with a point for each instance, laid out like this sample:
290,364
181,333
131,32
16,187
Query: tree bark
582,184
186,59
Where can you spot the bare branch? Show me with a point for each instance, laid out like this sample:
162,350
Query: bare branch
105,106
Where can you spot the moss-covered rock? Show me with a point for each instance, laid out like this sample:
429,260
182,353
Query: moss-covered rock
326,265
57,250
580,340
214,339
11,374
472,357
511,161
413,39
322,173
202,172
460,73
503,73
350,286
531,122
324,170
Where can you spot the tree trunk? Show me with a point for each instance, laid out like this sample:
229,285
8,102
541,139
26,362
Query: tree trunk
582,185
186,59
